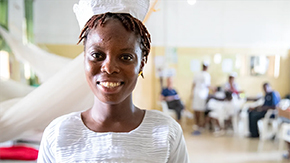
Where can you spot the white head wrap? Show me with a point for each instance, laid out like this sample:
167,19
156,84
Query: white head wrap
85,9
205,63
233,74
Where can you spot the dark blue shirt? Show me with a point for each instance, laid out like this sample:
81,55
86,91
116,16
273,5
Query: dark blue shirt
168,92
272,99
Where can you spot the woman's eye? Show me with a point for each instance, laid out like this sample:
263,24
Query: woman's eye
98,56
127,57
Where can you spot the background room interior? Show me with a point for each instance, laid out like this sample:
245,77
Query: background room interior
250,38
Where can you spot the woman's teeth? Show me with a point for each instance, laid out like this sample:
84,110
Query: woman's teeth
110,84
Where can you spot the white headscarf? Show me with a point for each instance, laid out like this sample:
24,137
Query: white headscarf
85,9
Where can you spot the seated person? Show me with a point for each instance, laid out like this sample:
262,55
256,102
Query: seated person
219,93
232,86
272,98
225,107
172,99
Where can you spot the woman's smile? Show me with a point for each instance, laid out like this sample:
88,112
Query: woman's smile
110,87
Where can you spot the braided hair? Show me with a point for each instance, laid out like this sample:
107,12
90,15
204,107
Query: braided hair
129,22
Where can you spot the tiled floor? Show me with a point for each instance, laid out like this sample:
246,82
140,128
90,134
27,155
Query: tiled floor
206,148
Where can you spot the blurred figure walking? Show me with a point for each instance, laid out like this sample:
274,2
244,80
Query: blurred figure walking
199,95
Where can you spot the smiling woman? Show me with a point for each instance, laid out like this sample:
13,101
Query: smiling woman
116,47
114,58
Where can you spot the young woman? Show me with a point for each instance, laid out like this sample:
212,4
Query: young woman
116,47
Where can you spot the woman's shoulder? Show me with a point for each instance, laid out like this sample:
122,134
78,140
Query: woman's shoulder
156,114
160,119
64,120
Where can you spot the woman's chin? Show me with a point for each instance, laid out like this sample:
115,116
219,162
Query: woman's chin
110,99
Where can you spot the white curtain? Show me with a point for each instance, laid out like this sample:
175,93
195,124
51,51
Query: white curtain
12,89
65,92
43,63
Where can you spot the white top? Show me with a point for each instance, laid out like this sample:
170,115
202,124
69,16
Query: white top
202,80
200,93
157,139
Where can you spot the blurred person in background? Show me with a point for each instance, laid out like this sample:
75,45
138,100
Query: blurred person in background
232,86
169,94
199,95
271,98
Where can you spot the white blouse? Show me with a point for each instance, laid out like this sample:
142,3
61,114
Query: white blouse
157,139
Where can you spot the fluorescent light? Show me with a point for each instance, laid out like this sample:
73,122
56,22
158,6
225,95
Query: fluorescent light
191,2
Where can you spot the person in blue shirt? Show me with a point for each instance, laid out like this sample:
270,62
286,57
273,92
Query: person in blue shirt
172,99
272,98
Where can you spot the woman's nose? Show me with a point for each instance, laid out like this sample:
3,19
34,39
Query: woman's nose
110,66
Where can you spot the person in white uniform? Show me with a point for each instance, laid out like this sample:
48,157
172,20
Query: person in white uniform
199,94
116,48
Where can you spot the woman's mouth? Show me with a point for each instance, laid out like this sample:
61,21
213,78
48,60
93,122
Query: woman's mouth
110,84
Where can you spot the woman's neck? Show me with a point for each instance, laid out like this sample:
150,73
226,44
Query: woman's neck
115,112
122,117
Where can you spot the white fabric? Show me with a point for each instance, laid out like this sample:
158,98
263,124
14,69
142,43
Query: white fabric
85,9
11,89
63,93
43,63
220,95
200,92
157,139
5,105
225,109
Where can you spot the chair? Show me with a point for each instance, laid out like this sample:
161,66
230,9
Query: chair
167,111
284,135
184,113
268,127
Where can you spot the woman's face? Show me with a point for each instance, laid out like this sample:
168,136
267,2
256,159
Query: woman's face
231,80
113,60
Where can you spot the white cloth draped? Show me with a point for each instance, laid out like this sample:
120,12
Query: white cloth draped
43,63
12,89
65,92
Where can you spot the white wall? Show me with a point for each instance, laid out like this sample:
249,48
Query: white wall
55,22
230,23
